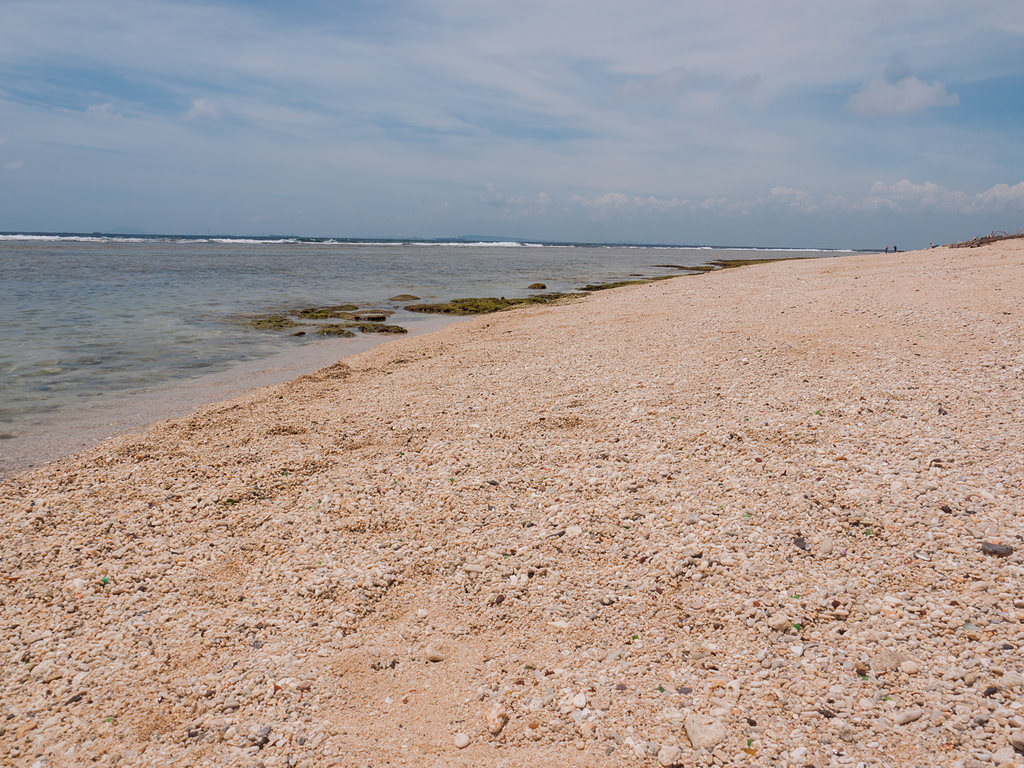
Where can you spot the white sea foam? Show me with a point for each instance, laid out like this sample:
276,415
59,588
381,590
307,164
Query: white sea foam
72,238
80,238
252,241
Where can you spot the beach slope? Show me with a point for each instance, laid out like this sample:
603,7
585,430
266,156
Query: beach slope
770,515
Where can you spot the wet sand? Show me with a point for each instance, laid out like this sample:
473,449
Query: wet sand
111,416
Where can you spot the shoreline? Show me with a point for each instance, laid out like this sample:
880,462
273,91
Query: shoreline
66,433
768,517
135,412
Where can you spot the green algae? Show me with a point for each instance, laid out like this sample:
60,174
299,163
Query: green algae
483,306
335,329
620,283
372,315
698,268
376,328
273,323
733,263
536,287
340,311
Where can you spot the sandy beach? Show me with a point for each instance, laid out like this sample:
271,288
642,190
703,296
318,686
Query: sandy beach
770,515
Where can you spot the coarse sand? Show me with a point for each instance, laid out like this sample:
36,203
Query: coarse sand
765,516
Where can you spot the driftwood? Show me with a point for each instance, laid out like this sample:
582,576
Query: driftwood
995,237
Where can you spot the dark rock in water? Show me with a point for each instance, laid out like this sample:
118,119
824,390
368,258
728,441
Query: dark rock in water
483,306
273,323
299,333
996,550
801,542
372,316
536,287
376,328
404,297
698,268
733,263
621,283
334,329
339,311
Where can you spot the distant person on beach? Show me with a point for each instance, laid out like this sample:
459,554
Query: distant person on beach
887,249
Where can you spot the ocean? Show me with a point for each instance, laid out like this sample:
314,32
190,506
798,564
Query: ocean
103,334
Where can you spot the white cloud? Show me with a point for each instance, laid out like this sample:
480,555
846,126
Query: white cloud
905,96
616,201
1002,195
795,199
105,110
669,104
905,196
203,108
14,165
518,206
491,196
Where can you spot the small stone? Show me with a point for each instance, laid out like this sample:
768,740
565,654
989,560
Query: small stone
801,543
536,287
779,622
886,661
669,755
847,733
1011,679
704,732
434,654
495,719
461,740
996,550
1003,755
825,546
573,531
908,716
910,667
579,700
1017,741
45,671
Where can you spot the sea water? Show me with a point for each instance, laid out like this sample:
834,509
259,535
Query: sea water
101,334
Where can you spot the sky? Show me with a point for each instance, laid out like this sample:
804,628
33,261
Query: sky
791,123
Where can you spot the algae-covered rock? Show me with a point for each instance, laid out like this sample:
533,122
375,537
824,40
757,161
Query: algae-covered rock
479,306
404,297
339,311
483,306
372,315
698,268
733,263
591,287
273,323
376,328
536,287
335,329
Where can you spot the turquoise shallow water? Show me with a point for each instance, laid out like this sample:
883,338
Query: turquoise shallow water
87,324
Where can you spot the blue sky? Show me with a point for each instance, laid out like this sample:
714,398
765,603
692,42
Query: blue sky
749,123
